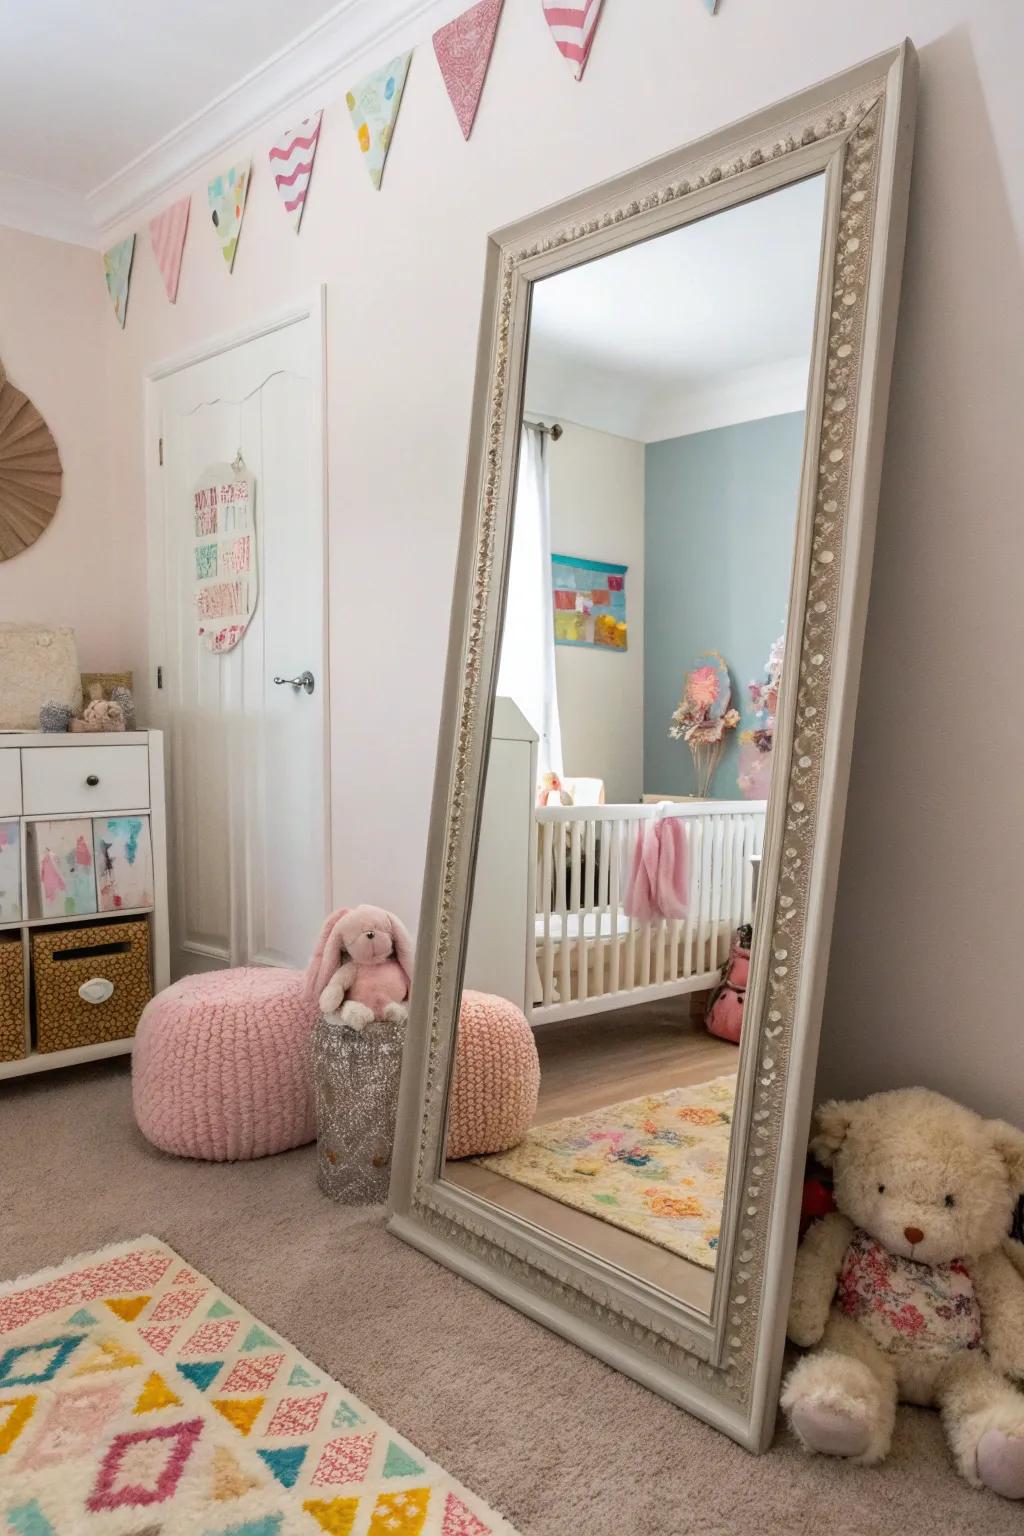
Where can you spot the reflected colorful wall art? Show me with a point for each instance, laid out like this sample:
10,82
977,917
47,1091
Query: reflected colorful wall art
62,873
124,863
589,602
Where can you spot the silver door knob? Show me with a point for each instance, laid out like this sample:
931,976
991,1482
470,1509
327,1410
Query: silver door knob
304,680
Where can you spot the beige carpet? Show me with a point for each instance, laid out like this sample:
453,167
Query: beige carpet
555,1441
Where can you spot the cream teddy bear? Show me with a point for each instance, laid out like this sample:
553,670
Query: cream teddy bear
905,1292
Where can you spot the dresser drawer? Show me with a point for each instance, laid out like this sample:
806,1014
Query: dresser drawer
58,779
10,781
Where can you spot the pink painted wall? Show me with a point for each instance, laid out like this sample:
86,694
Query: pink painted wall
920,988
86,569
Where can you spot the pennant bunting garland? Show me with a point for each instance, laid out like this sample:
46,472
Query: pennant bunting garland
291,161
573,28
227,194
167,235
463,50
712,5
374,105
117,267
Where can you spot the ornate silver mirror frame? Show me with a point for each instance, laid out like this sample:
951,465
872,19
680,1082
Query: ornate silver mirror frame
856,130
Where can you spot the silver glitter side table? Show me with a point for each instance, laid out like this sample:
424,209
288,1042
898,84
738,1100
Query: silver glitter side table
355,1086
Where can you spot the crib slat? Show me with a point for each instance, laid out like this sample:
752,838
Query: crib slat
548,974
704,915
728,862
576,905
601,905
561,870
695,833
630,830
615,828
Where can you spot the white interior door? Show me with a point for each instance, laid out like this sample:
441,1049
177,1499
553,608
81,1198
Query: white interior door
247,817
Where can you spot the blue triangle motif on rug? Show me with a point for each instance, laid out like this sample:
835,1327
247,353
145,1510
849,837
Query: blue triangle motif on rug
256,1337
285,1463
83,1318
200,1372
300,1377
269,1526
29,1520
398,1463
220,1309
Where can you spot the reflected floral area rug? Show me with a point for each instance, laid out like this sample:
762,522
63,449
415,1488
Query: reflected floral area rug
137,1399
654,1166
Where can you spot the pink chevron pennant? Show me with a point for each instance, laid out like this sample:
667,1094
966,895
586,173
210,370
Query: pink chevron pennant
463,50
291,161
167,237
573,28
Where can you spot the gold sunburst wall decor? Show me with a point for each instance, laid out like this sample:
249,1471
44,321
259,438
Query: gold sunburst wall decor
30,471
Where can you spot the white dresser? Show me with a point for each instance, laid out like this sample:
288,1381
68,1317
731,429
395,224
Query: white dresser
81,790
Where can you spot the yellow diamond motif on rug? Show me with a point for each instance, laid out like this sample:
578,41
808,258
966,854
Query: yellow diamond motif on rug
125,1441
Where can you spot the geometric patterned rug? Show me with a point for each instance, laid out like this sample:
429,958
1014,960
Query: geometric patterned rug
137,1399
654,1166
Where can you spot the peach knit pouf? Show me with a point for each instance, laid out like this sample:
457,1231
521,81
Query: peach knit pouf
221,1065
497,1078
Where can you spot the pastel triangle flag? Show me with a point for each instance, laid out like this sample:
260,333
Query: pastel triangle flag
127,1308
227,193
220,1309
573,27
242,1412
335,1516
463,49
117,268
200,1372
256,1338
291,160
712,5
83,1318
300,1377
167,237
398,1463
155,1394
285,1462
373,105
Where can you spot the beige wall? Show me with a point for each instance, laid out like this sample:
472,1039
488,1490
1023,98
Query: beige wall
923,984
84,570
596,487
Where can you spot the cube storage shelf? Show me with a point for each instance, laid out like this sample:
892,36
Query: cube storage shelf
94,780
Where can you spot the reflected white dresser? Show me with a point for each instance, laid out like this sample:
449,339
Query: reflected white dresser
83,894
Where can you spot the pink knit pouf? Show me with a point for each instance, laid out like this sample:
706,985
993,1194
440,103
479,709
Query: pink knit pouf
497,1078
221,1065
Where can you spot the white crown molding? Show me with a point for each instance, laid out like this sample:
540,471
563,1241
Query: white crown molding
36,208
351,31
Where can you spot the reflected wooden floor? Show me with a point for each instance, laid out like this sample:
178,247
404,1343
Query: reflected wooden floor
586,1064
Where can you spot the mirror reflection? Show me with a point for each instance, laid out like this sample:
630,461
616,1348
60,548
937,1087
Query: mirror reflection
631,758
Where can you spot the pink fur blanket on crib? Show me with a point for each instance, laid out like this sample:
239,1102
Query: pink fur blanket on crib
659,877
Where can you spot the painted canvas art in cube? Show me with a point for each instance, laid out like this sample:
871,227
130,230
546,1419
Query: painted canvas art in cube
589,602
62,874
10,872
124,862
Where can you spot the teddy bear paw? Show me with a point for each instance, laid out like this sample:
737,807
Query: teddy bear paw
829,1429
1000,1460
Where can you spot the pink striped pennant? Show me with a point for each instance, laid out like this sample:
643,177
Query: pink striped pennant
573,28
463,50
167,237
291,161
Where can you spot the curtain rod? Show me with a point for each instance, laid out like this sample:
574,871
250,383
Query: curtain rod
554,431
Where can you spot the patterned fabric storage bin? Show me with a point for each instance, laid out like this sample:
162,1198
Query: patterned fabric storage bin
91,982
12,998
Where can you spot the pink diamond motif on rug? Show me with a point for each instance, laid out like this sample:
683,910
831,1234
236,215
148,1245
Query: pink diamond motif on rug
344,1461
122,1276
176,1305
144,1467
252,1375
211,1338
297,1415
460,1521
72,1426
158,1338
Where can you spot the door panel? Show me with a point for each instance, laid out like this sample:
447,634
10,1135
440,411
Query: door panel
246,787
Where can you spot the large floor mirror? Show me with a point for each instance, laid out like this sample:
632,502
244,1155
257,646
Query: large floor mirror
652,677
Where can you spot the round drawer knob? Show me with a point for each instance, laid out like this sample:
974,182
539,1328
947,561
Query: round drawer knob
92,780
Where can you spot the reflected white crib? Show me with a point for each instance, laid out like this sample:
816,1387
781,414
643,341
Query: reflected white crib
548,928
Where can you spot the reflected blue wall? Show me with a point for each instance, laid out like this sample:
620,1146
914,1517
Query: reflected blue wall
720,514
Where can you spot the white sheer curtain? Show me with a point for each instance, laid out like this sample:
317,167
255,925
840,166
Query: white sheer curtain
526,673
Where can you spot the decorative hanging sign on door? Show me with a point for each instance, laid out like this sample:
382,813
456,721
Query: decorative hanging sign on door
224,551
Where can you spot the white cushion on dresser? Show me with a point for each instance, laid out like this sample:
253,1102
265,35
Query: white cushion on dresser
57,780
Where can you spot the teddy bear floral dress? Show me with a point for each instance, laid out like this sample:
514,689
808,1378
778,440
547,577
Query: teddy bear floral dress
907,1306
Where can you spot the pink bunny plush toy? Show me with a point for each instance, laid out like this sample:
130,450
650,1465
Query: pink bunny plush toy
363,967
